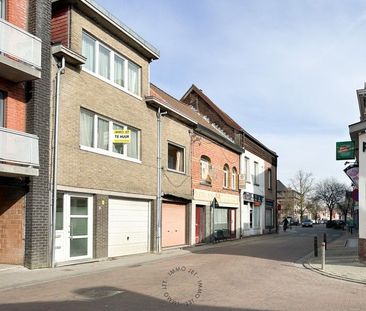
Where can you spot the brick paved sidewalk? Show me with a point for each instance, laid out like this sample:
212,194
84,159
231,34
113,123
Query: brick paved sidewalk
341,260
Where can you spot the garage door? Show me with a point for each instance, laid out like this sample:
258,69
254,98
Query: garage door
128,227
173,224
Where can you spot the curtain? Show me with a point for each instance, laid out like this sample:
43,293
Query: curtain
133,78
132,147
180,160
119,70
103,134
104,65
118,147
86,128
88,50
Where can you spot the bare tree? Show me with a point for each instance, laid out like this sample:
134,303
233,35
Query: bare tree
331,193
314,208
302,183
345,206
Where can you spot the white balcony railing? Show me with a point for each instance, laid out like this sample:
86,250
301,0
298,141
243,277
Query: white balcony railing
18,148
20,44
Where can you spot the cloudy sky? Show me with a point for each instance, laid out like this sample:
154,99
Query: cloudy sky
286,71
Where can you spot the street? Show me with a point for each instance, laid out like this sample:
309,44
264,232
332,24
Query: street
260,273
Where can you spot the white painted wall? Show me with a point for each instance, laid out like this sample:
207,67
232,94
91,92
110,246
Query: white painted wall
362,187
256,189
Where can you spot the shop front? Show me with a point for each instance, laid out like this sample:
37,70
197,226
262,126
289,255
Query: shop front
252,214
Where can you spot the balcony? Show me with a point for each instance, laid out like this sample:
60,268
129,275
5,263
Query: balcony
20,54
18,153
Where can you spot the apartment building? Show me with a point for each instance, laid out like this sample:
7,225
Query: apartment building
105,140
24,93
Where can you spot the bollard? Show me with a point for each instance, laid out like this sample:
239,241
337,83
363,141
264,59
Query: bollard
315,246
323,256
325,239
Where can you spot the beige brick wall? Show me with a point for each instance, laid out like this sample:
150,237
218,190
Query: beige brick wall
177,133
78,168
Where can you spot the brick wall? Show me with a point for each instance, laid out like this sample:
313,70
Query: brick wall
17,13
15,107
219,156
100,226
60,26
203,108
37,251
12,211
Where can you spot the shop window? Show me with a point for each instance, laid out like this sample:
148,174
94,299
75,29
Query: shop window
175,158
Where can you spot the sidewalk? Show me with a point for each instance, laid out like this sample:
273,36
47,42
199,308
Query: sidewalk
341,260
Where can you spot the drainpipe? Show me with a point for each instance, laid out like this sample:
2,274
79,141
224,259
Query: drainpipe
60,70
159,114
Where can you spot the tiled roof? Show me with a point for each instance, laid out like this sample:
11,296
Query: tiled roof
181,107
227,119
281,187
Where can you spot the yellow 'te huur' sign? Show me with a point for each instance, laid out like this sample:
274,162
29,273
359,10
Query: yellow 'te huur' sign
121,136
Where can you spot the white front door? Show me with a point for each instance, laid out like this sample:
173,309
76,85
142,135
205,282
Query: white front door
74,227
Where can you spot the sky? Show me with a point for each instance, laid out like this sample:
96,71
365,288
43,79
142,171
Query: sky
285,70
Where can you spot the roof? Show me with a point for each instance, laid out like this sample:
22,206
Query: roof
114,25
227,119
202,124
281,187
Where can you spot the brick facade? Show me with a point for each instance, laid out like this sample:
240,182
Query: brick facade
100,226
12,213
60,28
219,156
37,252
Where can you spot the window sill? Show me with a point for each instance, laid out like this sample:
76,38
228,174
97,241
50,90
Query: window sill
109,154
111,83
203,183
177,172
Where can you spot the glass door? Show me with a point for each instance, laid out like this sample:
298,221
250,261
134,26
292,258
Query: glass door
74,227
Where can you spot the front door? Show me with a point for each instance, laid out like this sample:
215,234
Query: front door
74,227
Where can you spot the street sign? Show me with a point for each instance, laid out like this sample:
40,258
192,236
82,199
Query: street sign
345,150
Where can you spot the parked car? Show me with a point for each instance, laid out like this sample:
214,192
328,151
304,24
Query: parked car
307,223
336,224
294,222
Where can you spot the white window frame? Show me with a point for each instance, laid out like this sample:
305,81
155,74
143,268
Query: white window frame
256,172
110,151
247,169
204,161
234,178
226,176
269,179
111,69
184,158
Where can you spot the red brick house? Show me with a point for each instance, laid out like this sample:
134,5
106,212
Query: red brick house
19,64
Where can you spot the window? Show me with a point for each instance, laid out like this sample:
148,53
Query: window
175,158
269,179
256,173
96,135
2,9
104,65
2,109
205,165
111,66
88,50
234,178
247,169
226,176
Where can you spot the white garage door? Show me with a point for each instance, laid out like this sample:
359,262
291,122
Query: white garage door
128,227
